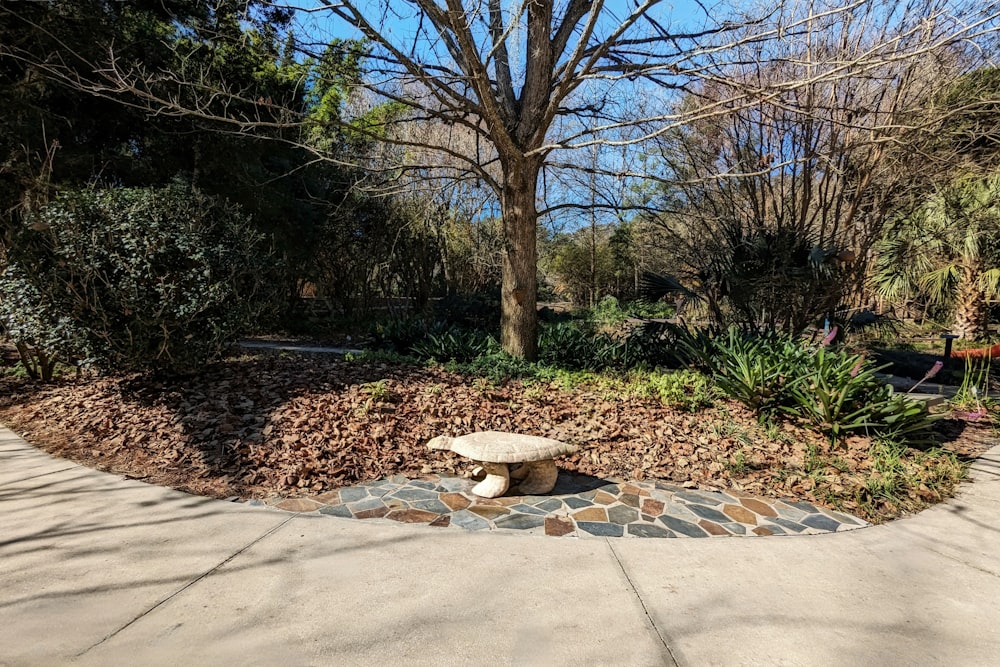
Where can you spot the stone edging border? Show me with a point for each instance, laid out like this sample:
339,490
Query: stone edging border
575,508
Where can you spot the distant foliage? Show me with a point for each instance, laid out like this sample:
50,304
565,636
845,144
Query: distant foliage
762,280
136,279
608,311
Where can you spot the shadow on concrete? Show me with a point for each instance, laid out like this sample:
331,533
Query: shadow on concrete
80,537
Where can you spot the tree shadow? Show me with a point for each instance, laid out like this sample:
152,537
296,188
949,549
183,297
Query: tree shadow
227,409
967,439
914,365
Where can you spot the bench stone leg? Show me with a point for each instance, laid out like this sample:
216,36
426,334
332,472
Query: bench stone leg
496,482
539,477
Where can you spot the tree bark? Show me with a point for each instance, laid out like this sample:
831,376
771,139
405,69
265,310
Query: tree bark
970,311
518,292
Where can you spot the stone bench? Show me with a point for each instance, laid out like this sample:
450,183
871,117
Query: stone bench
532,456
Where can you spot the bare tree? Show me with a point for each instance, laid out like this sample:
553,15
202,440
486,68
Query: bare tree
457,61
536,79
828,159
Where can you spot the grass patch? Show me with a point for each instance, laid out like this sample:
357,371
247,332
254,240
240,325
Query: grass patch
902,479
684,389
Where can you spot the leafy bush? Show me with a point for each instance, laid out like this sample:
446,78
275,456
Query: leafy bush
567,345
608,311
668,345
496,366
398,335
32,324
436,341
136,279
837,391
646,310
903,419
574,345
652,344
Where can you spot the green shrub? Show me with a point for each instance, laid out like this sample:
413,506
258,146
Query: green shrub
835,390
137,279
566,345
496,366
668,345
647,310
686,389
651,345
575,346
755,370
32,324
608,311
453,344
839,392
398,335
905,420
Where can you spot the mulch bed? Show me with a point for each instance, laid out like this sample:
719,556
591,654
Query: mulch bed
269,426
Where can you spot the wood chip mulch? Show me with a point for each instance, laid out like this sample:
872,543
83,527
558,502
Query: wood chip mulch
285,425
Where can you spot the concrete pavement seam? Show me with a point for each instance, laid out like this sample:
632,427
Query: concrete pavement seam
642,603
186,586
962,562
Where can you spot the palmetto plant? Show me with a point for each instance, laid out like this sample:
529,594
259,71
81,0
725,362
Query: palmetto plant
947,253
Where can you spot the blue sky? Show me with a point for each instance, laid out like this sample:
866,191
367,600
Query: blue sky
678,15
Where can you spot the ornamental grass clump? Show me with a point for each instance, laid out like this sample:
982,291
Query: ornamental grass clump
835,391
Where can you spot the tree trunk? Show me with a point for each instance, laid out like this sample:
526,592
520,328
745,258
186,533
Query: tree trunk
518,293
970,311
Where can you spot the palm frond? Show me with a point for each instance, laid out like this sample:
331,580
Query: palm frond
989,283
940,284
655,286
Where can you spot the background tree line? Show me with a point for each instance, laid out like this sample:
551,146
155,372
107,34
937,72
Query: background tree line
776,167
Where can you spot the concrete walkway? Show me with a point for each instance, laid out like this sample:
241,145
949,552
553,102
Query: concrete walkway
97,570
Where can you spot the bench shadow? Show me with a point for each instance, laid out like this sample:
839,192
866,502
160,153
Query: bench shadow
570,483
